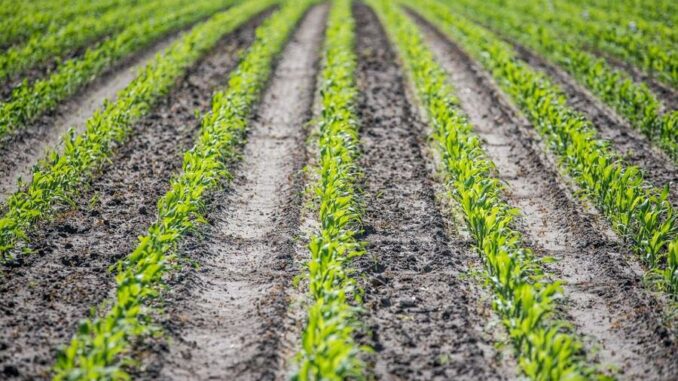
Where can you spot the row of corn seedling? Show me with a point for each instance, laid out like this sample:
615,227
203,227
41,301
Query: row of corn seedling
30,100
635,102
25,19
649,29
75,35
658,58
523,297
638,212
60,176
663,11
328,350
101,343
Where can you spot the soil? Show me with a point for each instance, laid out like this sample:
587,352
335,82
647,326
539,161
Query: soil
620,321
658,169
227,315
421,308
50,290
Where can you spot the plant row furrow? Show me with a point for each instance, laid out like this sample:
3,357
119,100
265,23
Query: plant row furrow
77,34
30,100
635,102
59,176
641,214
328,349
101,344
523,297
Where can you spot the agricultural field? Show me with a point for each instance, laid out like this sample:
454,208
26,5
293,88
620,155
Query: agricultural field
339,190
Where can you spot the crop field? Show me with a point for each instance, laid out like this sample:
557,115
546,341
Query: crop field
339,190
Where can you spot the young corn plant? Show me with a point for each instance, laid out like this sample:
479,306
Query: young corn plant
656,57
634,101
27,19
30,100
523,296
58,178
77,34
100,348
328,350
641,214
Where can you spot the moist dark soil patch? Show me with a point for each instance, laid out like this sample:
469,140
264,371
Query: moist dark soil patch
634,147
225,319
47,292
606,301
421,307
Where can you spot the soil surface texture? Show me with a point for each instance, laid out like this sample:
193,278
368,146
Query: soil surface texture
53,288
421,317
619,320
226,316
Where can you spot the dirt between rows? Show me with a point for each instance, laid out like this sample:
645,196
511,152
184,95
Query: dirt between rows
422,310
225,318
622,324
658,169
48,292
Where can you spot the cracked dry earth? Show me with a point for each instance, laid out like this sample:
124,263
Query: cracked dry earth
228,310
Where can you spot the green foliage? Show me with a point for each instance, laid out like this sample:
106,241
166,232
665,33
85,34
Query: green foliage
28,101
524,298
101,345
619,17
79,33
662,11
58,178
22,20
328,350
633,101
639,213
655,57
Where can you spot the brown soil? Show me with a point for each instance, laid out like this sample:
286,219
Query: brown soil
621,321
634,147
50,290
226,316
422,309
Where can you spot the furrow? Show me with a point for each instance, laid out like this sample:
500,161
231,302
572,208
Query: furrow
422,311
226,317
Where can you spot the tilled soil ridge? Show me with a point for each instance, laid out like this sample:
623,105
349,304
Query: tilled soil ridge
606,301
52,289
421,312
225,319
